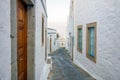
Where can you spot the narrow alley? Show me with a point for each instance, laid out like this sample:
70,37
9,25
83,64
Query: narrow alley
64,69
60,40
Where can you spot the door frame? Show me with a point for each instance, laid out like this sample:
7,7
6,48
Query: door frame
30,38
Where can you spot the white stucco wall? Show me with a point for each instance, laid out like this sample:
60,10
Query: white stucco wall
57,43
39,48
5,41
70,28
8,59
45,72
62,42
70,33
107,15
53,35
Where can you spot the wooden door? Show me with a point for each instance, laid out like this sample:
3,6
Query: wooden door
22,40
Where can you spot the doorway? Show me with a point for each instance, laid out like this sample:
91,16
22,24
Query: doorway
22,40
50,45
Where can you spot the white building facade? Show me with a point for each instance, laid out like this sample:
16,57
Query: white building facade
96,37
70,30
22,40
57,42
51,40
62,42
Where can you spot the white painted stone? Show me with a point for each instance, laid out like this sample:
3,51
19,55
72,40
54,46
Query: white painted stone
39,48
57,44
70,29
51,33
62,42
5,41
45,72
36,52
107,15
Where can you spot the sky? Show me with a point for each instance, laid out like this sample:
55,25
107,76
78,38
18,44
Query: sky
58,11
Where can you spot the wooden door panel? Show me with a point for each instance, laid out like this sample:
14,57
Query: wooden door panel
22,40
21,64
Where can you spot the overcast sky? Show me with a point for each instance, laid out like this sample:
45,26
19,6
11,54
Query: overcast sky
57,15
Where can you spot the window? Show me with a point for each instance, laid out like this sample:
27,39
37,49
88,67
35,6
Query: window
91,41
79,45
42,31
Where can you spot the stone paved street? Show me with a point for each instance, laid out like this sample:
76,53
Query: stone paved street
64,69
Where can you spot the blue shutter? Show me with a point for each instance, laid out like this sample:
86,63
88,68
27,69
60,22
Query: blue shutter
80,39
89,41
91,46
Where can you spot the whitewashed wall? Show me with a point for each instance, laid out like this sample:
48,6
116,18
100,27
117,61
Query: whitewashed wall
40,63
70,28
51,33
107,15
62,42
5,41
57,44
37,67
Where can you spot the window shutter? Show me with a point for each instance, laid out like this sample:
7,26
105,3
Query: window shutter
80,39
91,41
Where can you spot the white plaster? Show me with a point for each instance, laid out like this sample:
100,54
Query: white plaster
62,42
70,29
39,48
5,41
45,72
107,15
51,33
8,27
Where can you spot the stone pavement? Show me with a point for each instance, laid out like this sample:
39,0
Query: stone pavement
64,69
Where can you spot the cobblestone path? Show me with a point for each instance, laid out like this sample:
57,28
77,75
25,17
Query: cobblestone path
64,69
